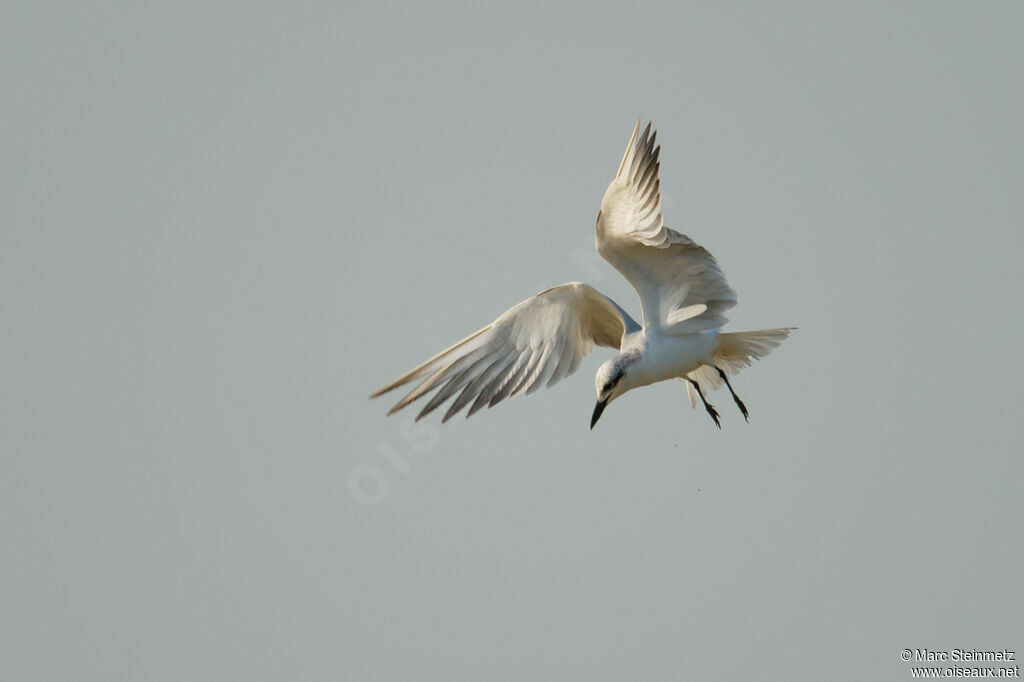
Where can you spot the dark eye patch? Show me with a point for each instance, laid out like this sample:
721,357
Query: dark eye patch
613,379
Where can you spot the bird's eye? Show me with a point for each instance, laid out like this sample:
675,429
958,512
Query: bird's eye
608,387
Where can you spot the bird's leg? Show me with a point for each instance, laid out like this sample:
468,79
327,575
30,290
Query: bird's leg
707,406
736,398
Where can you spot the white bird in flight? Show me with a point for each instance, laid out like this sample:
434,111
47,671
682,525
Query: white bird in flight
683,295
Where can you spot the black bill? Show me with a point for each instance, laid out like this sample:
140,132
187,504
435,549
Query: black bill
598,409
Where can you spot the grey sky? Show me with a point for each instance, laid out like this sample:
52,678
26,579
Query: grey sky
224,225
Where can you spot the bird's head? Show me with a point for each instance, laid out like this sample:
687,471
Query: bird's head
612,380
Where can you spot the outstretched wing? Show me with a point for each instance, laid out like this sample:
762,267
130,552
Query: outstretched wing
680,285
540,340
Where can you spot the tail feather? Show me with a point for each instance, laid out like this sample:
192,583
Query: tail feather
735,351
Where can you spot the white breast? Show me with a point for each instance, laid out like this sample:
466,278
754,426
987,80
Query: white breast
670,357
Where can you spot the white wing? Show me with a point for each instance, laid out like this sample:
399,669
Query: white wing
540,340
680,285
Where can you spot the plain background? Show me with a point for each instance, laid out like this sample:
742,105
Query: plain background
223,226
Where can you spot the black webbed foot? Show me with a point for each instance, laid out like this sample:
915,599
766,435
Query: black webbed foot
707,406
736,398
714,415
